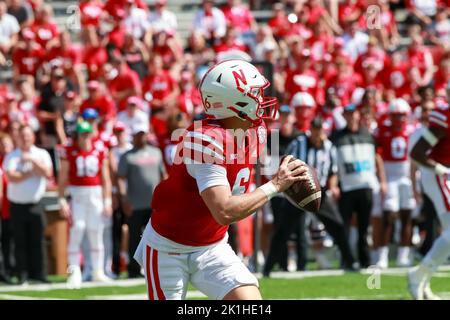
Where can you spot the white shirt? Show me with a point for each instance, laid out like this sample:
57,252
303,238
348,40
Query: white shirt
8,27
166,21
136,23
205,24
356,45
30,190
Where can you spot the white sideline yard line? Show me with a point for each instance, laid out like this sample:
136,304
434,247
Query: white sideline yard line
443,295
189,295
53,286
16,297
274,275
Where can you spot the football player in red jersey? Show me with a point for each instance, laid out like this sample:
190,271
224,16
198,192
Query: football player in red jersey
392,139
85,170
432,153
207,190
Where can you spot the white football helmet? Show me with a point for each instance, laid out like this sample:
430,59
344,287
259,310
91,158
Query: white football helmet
399,105
236,88
303,99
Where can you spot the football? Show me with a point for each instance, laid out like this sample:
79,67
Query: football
305,194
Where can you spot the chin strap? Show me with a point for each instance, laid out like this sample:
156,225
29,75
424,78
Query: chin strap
243,115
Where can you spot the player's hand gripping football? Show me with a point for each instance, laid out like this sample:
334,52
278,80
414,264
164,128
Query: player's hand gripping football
289,172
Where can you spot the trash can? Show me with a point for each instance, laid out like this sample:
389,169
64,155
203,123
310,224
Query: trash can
56,235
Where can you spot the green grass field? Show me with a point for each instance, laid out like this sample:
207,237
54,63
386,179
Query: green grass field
390,284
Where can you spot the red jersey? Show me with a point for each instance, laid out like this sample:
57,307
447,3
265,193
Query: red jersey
397,79
280,26
440,118
345,85
95,58
104,141
393,146
418,58
124,81
188,220
297,81
69,56
240,17
28,61
159,85
91,13
45,32
85,167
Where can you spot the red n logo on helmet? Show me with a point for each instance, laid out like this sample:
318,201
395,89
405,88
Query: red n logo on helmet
240,77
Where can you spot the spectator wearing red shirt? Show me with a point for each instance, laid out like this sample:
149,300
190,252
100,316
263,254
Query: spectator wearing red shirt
159,88
350,11
397,77
99,100
442,78
113,6
421,62
28,55
69,56
321,41
305,108
239,16
279,22
298,23
302,77
116,36
44,27
230,42
388,33
189,99
375,54
92,13
345,81
125,84
95,56
371,75
166,46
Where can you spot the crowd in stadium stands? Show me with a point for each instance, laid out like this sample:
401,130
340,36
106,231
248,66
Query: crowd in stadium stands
126,71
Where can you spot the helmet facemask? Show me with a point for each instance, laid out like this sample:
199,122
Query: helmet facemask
266,107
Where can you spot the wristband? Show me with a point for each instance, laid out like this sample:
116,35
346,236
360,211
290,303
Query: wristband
429,137
441,169
107,202
62,201
269,189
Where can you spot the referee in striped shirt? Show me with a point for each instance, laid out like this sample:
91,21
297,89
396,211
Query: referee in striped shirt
318,152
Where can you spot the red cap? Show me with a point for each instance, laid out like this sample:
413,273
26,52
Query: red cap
134,100
119,127
93,84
